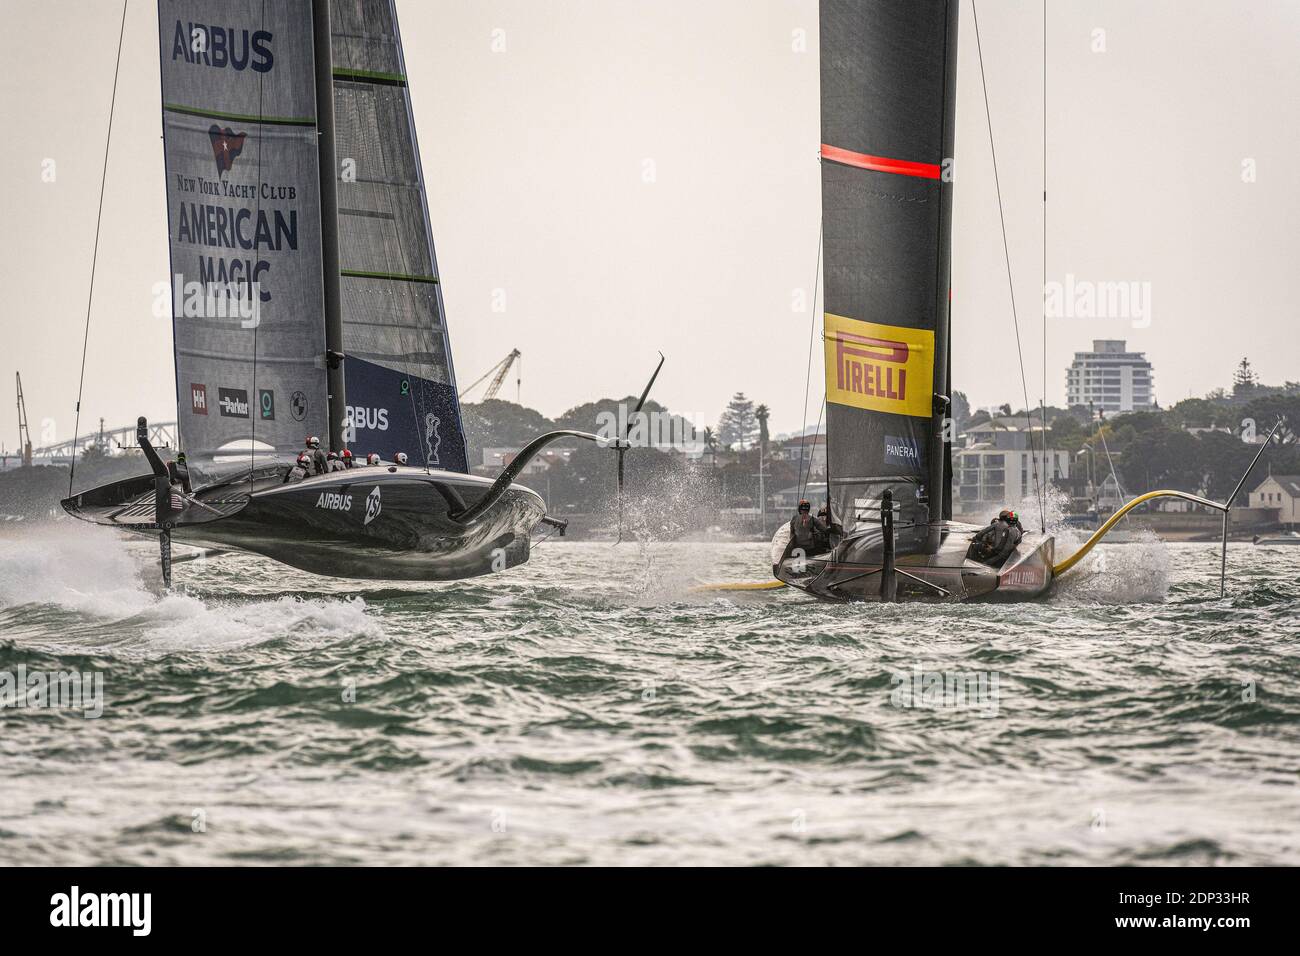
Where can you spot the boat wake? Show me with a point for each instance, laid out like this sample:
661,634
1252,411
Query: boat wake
1131,573
99,586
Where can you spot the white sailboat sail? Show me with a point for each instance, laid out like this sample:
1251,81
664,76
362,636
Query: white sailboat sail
243,208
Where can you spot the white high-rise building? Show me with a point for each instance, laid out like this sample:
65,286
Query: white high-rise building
1110,378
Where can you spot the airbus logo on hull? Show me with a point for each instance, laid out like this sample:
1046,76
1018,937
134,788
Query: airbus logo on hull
333,501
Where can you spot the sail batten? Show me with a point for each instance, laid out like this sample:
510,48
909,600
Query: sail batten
886,87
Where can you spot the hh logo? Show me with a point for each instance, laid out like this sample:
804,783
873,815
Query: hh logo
226,146
199,399
883,368
372,505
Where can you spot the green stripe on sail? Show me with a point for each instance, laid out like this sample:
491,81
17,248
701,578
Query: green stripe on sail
239,117
371,76
391,276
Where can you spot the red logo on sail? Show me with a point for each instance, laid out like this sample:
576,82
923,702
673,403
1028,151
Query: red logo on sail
867,366
199,399
226,145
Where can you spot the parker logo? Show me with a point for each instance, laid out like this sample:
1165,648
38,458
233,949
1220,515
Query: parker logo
883,368
373,505
226,146
199,399
233,402
333,501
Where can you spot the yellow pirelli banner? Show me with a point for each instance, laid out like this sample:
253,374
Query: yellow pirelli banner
883,368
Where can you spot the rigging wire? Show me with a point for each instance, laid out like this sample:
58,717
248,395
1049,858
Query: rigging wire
261,150
807,382
803,480
1006,251
1102,435
94,259
1043,399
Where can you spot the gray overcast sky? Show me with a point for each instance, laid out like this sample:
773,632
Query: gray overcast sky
536,158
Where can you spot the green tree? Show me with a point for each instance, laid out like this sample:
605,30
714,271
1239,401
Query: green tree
738,425
500,424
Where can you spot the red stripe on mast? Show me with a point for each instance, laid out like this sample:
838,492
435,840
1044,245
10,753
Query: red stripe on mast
881,164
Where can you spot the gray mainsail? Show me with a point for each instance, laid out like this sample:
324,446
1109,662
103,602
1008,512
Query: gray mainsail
239,125
401,387
887,105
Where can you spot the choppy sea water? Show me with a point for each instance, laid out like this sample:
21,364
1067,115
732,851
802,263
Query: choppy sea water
589,709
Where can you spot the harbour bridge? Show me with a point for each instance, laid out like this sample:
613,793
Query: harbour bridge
111,440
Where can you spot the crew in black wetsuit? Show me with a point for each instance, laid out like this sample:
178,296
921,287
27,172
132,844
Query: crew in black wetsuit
994,544
824,540
183,473
805,529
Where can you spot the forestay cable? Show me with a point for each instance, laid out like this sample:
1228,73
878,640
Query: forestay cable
94,259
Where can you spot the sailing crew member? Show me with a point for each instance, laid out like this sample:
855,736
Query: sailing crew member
177,499
345,456
183,473
805,530
994,544
318,461
822,540
372,459
399,458
332,462
300,470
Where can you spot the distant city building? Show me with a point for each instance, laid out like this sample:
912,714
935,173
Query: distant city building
808,451
995,469
1110,378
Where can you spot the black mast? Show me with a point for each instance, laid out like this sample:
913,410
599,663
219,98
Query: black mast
329,215
940,453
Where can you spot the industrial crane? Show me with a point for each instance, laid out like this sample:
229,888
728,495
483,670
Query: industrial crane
498,373
24,433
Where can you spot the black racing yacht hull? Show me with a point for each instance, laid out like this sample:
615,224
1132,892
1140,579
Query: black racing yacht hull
851,570
376,523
